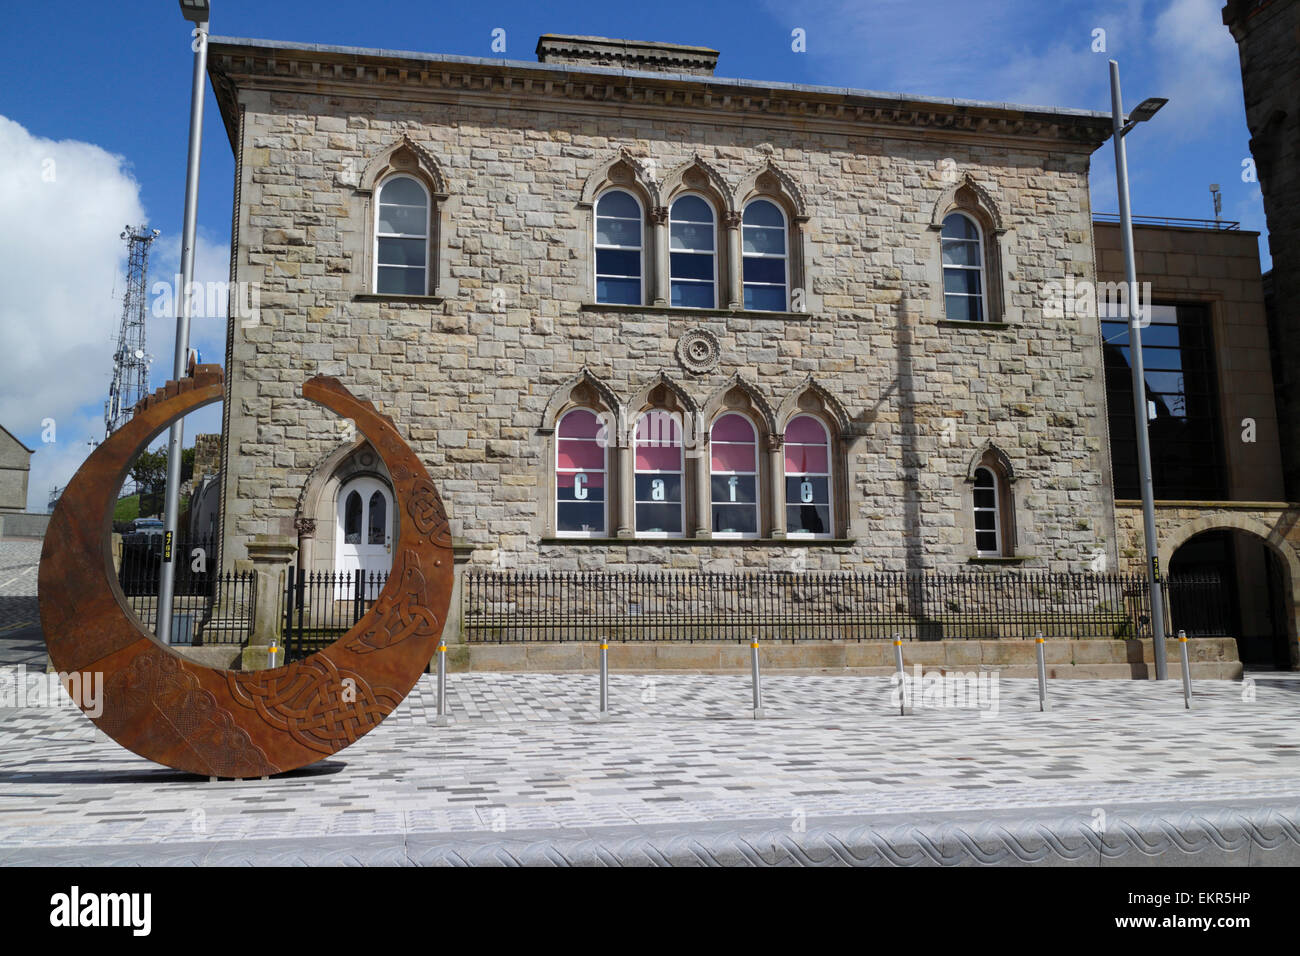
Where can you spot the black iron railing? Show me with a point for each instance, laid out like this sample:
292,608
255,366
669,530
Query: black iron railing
207,607
317,607
819,606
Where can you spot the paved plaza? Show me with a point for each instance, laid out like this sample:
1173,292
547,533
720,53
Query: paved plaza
681,772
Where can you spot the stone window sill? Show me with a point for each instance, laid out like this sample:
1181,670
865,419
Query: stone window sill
678,310
386,297
705,542
1014,559
962,324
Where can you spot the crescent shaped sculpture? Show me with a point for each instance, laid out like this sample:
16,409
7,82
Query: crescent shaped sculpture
225,723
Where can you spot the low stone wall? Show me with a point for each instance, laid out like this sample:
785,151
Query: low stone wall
1211,658
19,524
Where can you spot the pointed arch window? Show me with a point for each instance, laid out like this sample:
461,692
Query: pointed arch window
693,260
733,476
658,479
581,469
807,478
620,241
402,237
988,514
765,256
962,245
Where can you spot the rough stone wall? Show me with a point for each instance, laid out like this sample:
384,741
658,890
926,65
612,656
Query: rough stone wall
1268,40
468,385
207,457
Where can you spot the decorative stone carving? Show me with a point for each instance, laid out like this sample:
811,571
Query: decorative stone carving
698,351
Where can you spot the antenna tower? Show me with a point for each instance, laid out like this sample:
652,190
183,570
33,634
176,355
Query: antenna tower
130,360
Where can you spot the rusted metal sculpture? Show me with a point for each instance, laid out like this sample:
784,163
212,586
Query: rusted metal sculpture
239,723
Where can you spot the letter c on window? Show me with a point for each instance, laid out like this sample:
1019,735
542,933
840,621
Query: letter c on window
580,486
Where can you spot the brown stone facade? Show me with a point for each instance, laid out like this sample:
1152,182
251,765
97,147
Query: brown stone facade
1219,269
477,371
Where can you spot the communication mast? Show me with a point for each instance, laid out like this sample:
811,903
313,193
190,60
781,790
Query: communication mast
130,361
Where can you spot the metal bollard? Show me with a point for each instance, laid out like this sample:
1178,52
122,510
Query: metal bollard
604,680
902,678
758,687
270,655
441,718
1042,673
1187,671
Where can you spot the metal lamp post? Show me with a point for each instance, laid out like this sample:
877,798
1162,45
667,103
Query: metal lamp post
1145,110
196,12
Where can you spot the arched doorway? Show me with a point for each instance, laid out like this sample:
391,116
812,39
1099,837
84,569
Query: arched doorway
364,529
1253,607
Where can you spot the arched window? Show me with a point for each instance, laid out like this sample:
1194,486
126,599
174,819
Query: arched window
620,267
963,268
807,478
988,515
581,466
733,476
378,518
402,237
352,519
693,261
765,258
659,501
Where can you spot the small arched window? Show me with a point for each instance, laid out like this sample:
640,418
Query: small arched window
402,237
352,519
581,467
988,514
765,257
693,261
963,269
378,518
620,267
733,476
659,499
807,478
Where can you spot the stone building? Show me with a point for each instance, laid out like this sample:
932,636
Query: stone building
633,314
1268,42
15,466
1216,451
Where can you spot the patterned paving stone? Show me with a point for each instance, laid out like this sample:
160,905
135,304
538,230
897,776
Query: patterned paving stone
532,757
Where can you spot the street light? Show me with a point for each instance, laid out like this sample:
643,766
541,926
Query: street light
195,11
1145,110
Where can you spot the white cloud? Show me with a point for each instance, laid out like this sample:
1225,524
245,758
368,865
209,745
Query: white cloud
63,205
1199,70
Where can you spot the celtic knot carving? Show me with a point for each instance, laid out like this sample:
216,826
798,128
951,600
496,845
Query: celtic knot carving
156,683
404,614
425,508
320,705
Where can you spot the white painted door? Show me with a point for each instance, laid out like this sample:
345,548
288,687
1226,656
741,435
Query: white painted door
364,534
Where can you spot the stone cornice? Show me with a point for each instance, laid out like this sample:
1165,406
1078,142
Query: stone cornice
240,64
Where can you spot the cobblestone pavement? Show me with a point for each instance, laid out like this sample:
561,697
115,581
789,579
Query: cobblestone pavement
20,635
525,754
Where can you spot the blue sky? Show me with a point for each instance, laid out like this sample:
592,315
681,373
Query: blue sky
101,92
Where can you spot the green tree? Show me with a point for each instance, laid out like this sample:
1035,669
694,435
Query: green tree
149,472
